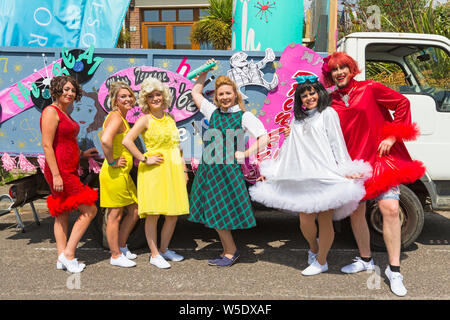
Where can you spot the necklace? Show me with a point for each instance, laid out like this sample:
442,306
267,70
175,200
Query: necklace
346,97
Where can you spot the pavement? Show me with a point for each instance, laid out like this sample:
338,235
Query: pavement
272,257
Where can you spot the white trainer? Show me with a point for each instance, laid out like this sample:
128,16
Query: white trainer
127,253
60,266
396,282
71,265
172,256
315,268
122,261
358,265
311,257
160,262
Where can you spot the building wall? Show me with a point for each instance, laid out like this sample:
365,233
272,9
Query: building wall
171,3
135,25
137,6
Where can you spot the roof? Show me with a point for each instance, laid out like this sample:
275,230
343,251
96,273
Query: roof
396,35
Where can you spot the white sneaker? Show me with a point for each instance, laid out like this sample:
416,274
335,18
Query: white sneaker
71,265
311,257
122,261
160,262
358,265
171,255
60,266
396,282
315,268
127,253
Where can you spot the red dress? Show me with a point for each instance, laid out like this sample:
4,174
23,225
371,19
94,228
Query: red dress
366,121
67,155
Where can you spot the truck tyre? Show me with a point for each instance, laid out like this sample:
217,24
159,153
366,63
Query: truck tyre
411,217
136,240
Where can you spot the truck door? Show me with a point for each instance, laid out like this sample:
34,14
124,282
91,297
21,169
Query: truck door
421,73
419,69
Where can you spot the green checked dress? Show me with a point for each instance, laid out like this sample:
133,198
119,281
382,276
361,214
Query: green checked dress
219,198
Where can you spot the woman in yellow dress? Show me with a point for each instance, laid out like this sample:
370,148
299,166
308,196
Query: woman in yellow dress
117,189
162,173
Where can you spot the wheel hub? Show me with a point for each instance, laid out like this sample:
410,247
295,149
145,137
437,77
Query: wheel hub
376,218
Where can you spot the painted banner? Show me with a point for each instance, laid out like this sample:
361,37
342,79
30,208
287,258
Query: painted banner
58,23
182,105
259,25
34,90
17,98
278,109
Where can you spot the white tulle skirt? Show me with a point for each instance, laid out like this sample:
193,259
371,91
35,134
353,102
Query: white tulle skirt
310,196
310,173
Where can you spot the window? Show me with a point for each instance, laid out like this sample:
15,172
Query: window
388,73
430,67
169,28
412,69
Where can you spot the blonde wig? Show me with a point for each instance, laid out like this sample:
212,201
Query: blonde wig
114,91
224,80
148,86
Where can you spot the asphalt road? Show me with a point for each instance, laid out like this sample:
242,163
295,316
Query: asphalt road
272,257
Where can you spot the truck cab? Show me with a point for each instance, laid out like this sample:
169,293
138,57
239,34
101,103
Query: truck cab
421,64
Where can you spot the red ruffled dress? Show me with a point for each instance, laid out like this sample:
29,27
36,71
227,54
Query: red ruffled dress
67,155
366,121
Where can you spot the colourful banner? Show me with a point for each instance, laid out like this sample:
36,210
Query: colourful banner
182,105
18,97
34,90
259,25
59,23
278,108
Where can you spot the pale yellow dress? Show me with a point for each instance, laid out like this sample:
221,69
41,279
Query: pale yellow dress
117,189
162,187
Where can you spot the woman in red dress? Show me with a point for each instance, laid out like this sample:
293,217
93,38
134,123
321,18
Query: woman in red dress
62,157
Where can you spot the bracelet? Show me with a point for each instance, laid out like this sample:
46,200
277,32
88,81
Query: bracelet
112,163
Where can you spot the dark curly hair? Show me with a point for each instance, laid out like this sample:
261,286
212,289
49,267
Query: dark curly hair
323,102
57,84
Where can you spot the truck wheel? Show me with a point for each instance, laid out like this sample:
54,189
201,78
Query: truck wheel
136,240
411,217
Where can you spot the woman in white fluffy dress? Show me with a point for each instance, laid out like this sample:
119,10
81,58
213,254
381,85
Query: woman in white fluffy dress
313,174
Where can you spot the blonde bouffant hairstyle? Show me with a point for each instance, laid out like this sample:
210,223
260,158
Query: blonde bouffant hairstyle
114,91
224,80
148,86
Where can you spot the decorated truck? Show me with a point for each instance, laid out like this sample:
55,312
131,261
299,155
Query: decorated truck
266,80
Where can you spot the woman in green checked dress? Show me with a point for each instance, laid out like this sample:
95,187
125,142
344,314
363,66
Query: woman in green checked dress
219,198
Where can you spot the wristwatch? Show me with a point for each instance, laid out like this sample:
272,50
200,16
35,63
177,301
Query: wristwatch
145,159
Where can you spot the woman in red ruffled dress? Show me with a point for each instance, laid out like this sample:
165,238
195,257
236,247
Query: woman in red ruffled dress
62,157
373,135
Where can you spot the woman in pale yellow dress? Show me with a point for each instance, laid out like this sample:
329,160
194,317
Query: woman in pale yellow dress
162,175
117,189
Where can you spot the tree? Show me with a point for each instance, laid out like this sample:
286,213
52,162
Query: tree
414,16
124,38
216,27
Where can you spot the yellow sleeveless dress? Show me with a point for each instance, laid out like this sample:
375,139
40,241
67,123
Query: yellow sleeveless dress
162,187
117,189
